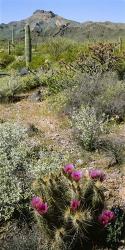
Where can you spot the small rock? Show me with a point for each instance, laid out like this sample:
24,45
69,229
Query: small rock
36,96
24,72
79,162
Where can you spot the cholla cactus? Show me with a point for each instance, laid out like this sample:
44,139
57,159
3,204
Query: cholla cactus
68,203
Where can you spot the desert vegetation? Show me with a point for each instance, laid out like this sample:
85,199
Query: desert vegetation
62,153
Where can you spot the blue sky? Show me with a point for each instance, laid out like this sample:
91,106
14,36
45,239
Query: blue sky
80,10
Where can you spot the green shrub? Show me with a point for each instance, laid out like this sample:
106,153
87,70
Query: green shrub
37,61
6,59
58,81
70,55
56,46
29,82
19,51
60,48
120,67
17,65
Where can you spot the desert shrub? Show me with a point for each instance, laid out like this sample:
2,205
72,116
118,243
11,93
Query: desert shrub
5,60
113,147
74,52
103,92
21,160
120,67
58,81
10,88
60,48
70,55
87,126
18,237
29,82
37,61
48,161
19,51
15,84
17,65
16,159
111,102
56,46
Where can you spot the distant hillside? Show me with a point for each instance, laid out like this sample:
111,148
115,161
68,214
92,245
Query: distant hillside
47,24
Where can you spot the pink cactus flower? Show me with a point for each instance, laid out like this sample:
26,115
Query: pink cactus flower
74,205
43,208
77,175
106,217
68,169
39,205
97,174
36,201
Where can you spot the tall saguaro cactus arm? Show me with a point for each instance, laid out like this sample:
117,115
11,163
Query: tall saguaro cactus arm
9,51
120,44
12,34
28,47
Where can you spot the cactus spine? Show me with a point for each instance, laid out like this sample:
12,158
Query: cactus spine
28,49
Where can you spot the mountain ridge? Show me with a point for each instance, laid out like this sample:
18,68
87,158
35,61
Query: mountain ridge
48,24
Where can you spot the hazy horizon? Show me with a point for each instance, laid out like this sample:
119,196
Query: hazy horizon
77,10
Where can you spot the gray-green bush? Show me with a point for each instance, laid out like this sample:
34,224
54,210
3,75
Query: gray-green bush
104,92
16,158
87,126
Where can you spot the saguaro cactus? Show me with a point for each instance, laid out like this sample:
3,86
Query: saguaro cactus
120,44
12,35
9,52
28,47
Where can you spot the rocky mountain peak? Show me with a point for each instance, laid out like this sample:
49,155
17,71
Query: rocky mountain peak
44,12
